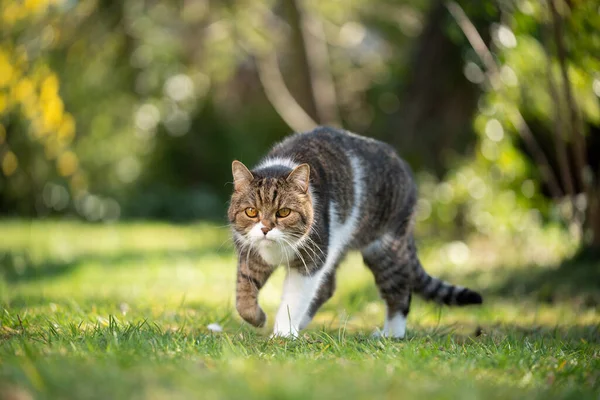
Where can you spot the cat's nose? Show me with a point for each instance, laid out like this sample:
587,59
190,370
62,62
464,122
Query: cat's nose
265,229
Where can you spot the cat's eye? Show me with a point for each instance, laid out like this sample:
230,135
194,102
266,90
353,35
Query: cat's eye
283,212
251,212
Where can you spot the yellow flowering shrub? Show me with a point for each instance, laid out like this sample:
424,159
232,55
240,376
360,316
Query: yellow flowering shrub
30,89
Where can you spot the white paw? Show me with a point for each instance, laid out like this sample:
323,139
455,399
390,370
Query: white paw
292,333
378,333
282,335
394,327
387,333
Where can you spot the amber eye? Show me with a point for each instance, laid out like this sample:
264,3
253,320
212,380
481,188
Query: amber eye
284,212
251,212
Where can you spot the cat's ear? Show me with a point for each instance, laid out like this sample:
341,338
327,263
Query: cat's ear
300,176
241,175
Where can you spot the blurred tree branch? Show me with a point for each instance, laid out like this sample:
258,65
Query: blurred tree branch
280,97
299,60
493,75
312,60
320,70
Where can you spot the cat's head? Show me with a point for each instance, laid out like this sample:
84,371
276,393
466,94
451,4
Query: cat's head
271,207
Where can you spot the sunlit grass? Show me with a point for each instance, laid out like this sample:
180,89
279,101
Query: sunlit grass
121,311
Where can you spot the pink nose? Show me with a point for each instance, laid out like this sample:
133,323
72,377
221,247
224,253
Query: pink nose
265,229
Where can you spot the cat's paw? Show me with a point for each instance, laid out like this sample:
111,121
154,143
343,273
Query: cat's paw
291,333
280,335
378,333
255,317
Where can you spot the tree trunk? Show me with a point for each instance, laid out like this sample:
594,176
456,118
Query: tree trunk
301,85
438,103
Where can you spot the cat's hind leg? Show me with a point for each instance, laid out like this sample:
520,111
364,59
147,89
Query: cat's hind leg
389,260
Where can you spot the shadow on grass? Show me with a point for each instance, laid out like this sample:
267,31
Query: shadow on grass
496,333
576,280
588,333
18,267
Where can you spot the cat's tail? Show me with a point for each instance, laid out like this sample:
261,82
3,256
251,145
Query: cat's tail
435,289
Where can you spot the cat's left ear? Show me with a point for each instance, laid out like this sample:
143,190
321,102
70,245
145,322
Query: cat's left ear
241,175
300,176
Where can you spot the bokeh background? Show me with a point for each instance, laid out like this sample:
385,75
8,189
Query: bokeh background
117,110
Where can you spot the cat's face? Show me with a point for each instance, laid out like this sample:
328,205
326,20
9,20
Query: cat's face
271,212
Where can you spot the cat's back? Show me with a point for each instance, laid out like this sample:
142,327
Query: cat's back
331,150
333,146
352,172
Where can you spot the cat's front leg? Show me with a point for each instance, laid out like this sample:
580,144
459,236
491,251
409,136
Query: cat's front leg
251,277
299,290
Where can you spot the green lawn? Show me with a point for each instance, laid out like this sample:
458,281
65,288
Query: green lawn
121,311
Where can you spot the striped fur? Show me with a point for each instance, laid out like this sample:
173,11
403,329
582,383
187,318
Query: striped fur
358,194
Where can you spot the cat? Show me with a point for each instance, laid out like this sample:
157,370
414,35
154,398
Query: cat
315,196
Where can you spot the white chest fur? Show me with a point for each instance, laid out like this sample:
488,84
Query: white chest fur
275,253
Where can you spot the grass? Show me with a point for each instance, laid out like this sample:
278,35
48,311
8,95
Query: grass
121,311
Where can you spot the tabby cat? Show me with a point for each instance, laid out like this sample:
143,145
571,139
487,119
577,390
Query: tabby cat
315,196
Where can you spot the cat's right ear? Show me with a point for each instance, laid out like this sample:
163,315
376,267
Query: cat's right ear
241,175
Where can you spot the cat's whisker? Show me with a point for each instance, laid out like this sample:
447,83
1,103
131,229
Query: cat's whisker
248,255
304,237
286,256
298,254
283,252
314,230
310,241
313,259
313,255
232,241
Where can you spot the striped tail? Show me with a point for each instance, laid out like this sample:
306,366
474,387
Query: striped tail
442,292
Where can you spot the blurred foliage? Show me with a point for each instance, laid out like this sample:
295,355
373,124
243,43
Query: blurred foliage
30,104
135,109
499,190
